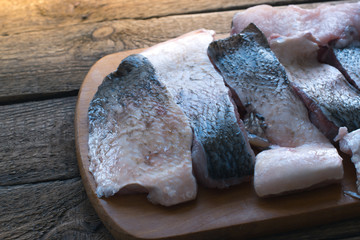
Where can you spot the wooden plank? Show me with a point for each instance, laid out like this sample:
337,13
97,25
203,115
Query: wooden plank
28,15
52,210
31,61
37,141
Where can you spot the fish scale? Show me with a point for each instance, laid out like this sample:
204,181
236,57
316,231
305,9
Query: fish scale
350,61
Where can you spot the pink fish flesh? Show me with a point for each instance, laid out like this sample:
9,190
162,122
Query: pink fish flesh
325,23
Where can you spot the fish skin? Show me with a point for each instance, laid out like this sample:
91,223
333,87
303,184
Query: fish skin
221,153
252,70
332,100
350,60
139,139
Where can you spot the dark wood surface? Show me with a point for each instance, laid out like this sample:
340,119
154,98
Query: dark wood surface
46,50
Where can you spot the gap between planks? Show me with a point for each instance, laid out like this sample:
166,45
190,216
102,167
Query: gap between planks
7,186
18,99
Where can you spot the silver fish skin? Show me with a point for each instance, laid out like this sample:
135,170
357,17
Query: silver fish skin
221,152
301,156
350,61
139,138
332,101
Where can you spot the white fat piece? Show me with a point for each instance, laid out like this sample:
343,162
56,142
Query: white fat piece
281,170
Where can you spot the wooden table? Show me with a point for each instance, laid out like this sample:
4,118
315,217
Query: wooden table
46,49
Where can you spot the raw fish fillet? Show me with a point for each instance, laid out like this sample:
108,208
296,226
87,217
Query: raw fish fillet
252,70
350,144
331,100
326,22
139,138
221,153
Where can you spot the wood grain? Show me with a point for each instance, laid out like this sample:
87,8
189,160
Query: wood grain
232,213
29,15
38,146
38,142
49,210
32,64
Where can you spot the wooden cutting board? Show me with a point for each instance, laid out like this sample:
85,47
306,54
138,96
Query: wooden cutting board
232,213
